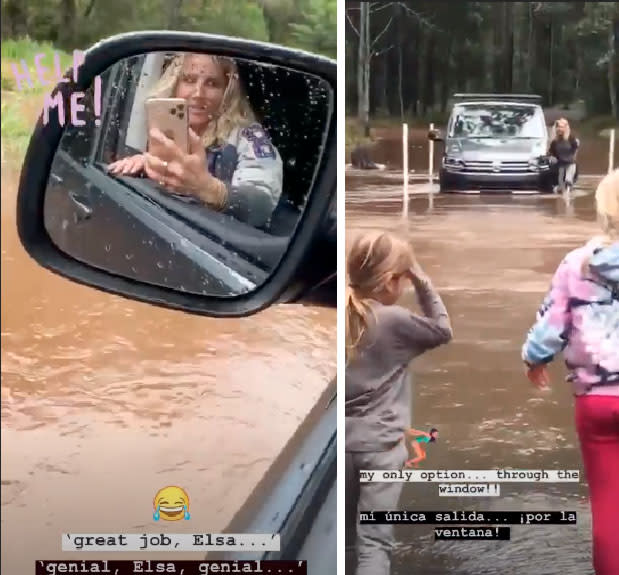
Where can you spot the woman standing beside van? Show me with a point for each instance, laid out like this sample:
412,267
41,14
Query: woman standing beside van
563,149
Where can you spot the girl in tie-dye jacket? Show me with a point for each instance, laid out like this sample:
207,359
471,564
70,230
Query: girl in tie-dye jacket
580,316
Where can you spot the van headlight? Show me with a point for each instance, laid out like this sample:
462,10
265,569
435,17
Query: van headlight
534,165
452,163
539,164
544,162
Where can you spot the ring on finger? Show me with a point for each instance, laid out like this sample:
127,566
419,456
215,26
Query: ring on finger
165,166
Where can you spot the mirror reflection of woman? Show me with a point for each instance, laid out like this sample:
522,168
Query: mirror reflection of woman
232,166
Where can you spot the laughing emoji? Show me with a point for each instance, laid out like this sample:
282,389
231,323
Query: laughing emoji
171,504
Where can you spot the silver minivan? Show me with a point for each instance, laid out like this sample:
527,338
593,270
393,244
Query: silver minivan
495,142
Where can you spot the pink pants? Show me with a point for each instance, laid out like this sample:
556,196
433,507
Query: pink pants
597,422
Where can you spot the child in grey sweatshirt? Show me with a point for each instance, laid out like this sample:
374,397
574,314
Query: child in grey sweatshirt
383,338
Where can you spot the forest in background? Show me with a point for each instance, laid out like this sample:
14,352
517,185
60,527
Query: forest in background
76,24
406,59
31,27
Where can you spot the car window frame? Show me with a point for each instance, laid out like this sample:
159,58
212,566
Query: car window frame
114,127
297,486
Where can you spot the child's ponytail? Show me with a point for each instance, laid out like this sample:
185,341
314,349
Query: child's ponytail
374,257
357,314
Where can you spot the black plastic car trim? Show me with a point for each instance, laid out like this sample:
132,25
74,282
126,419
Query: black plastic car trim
289,496
261,249
165,224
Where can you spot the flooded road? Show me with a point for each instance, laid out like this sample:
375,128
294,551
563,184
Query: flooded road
492,258
104,401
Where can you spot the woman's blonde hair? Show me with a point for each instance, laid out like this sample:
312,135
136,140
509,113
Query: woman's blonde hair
374,258
566,130
235,110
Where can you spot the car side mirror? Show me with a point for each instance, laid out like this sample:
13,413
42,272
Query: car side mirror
196,172
435,135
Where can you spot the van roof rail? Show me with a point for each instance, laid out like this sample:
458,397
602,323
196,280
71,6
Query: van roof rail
523,98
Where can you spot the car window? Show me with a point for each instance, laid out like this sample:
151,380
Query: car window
224,151
80,142
495,121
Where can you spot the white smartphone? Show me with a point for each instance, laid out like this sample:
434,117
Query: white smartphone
169,115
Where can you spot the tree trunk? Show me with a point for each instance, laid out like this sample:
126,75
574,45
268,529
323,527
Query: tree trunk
611,70
400,77
430,67
422,63
385,85
507,49
489,50
550,66
616,60
363,68
518,20
530,49
498,72
67,28
446,76
16,15
89,8
174,15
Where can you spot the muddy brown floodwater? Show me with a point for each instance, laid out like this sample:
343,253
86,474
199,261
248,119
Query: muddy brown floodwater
492,258
105,400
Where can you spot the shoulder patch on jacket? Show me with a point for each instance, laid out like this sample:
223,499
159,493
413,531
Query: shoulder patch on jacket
260,141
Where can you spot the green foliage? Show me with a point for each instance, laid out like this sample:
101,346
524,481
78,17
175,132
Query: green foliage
560,50
241,18
54,22
318,31
24,50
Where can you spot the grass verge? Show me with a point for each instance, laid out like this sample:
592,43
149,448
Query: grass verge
21,107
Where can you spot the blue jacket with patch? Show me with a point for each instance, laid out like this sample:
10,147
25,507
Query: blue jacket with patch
251,168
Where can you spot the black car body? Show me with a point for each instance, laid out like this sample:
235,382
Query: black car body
496,143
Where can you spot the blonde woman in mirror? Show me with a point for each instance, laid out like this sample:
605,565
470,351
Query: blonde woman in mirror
232,165
563,151
382,339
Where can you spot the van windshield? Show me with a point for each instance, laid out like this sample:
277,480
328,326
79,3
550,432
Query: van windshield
496,121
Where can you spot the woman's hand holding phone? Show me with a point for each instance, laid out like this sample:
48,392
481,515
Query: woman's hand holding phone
183,173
